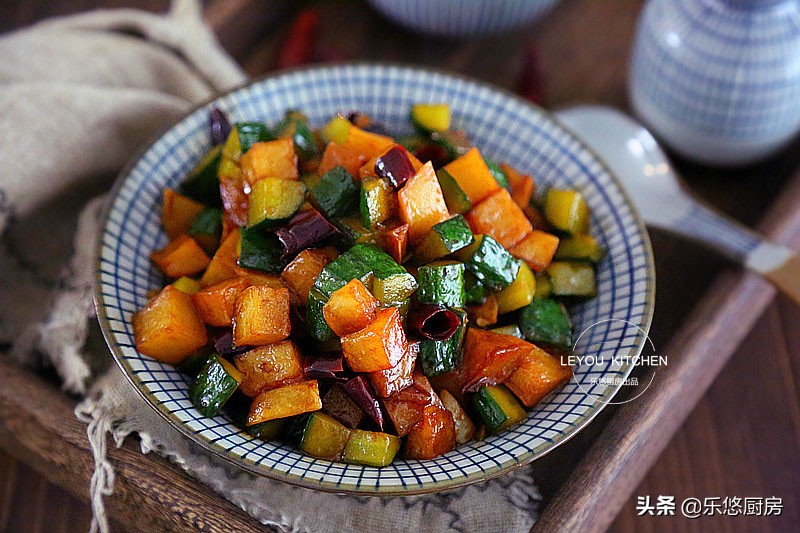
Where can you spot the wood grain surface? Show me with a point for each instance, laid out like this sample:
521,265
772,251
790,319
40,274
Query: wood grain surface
742,438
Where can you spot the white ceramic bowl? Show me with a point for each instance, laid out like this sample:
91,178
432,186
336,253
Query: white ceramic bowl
506,128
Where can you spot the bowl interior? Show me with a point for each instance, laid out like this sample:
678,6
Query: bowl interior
505,129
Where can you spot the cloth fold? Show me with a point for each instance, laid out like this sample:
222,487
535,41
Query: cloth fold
80,96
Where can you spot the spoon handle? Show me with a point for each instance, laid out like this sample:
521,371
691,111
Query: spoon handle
776,263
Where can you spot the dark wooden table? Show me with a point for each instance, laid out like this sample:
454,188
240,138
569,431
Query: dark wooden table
743,438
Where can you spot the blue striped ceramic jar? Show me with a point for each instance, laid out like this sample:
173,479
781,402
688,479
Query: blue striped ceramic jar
462,18
719,80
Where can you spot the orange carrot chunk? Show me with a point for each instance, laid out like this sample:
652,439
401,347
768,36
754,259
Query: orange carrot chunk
393,380
261,316
215,304
473,176
223,264
168,328
537,249
302,272
341,155
181,257
498,216
490,358
522,185
379,346
271,159
433,435
178,213
421,203
291,400
350,308
269,367
538,375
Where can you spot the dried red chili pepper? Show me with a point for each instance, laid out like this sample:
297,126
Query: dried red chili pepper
531,82
433,322
300,43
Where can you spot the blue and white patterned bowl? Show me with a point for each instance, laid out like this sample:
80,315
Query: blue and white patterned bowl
462,18
719,80
505,128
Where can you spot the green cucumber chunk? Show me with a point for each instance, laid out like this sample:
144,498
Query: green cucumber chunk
445,238
579,248
319,435
251,133
336,193
546,322
376,201
212,387
475,292
572,280
371,448
497,173
260,251
498,408
295,126
442,283
492,264
454,196
202,183
274,201
315,319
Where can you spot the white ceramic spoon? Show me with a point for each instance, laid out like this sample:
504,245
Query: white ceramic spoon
633,155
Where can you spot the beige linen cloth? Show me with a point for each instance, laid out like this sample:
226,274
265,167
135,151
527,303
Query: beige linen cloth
79,96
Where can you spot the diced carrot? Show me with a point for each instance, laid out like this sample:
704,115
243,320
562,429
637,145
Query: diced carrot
168,328
522,185
258,277
181,257
223,264
379,346
270,159
473,176
302,272
350,308
433,435
261,316
341,155
269,367
421,203
499,217
290,400
538,375
536,218
368,168
537,249
422,383
451,382
405,408
215,304
393,380
490,358
178,213
367,143
395,242
486,313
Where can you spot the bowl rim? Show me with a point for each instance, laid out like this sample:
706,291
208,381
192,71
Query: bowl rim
327,486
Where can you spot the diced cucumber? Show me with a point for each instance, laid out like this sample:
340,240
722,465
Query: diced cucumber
354,231
319,435
442,283
498,408
573,280
336,130
497,172
454,196
215,383
202,183
250,133
192,365
429,118
315,319
336,193
438,357
520,293
546,322
295,126
391,283
371,448
207,222
580,248
336,274
260,250
475,292
269,430
273,201
445,238
490,262
377,201
567,211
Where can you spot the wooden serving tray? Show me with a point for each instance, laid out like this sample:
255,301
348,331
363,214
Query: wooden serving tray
703,311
